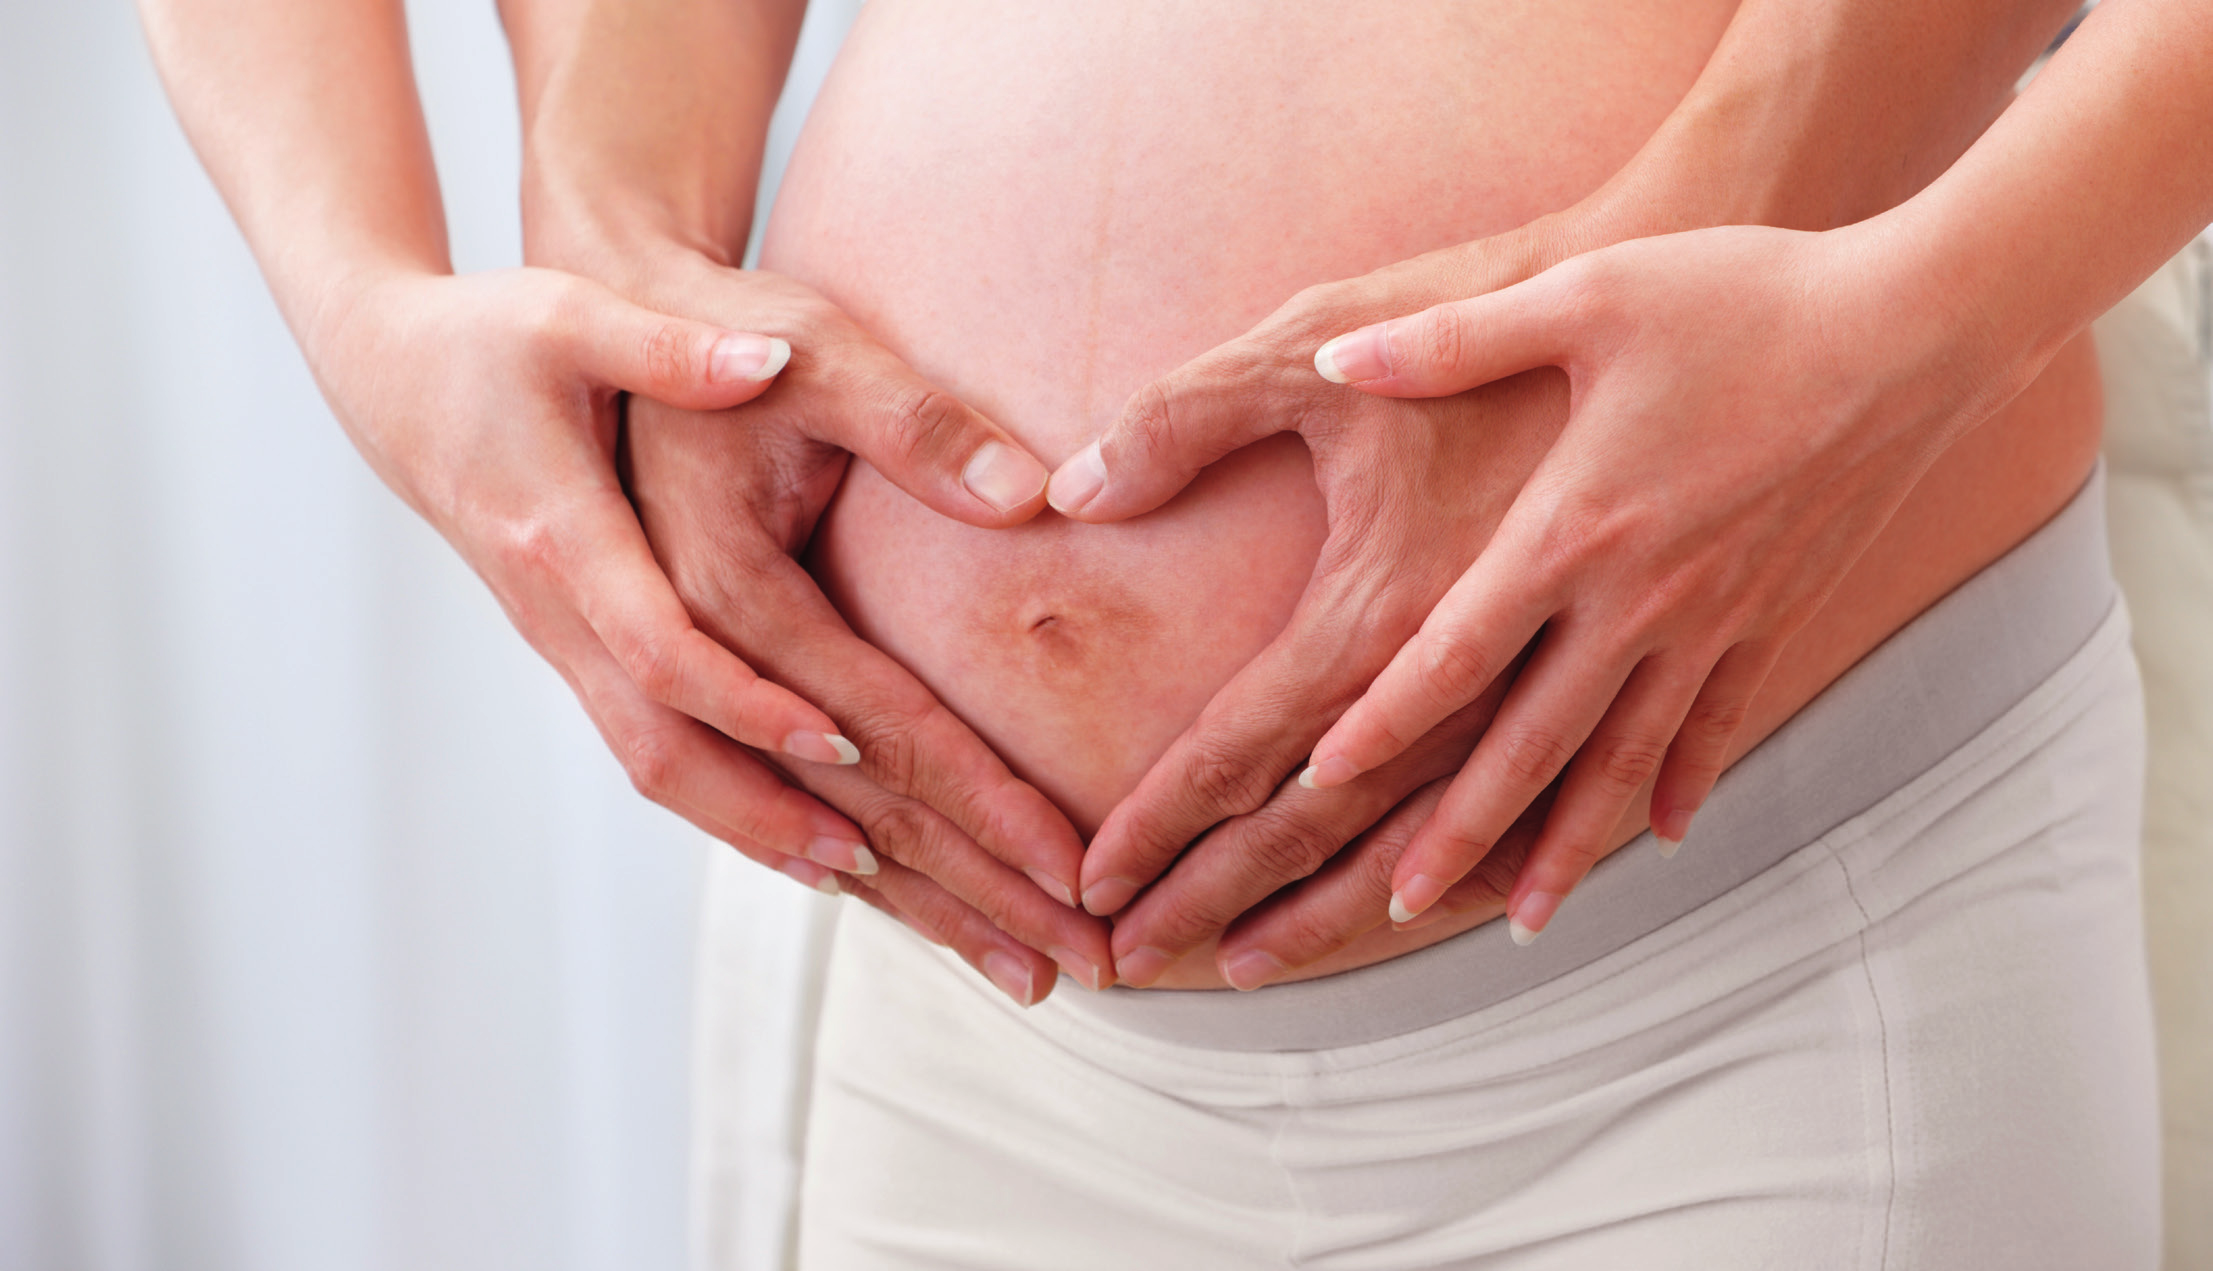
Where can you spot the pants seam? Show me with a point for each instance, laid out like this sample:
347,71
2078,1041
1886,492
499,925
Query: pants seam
1882,1046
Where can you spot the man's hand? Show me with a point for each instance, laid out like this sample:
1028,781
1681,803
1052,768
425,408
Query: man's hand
1414,490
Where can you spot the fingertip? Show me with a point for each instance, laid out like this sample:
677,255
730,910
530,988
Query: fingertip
1527,917
1006,478
744,358
1328,774
814,747
1355,356
1078,482
1108,896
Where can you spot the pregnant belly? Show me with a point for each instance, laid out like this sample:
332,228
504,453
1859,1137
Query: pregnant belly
1044,207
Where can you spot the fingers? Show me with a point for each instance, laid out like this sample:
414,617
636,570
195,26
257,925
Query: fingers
1702,746
687,364
1240,864
916,837
692,770
1554,704
1022,973
1341,903
1605,778
1247,859
1250,737
1484,622
619,588
926,441
909,743
1452,347
1169,430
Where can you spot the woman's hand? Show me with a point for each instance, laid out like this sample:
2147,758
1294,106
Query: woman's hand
728,500
1750,406
489,403
1414,490
503,436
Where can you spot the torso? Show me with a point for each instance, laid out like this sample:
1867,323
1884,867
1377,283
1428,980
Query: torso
1044,207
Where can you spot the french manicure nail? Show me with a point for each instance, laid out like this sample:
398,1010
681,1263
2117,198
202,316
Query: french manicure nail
1355,356
1420,892
1141,966
1079,968
1252,968
1670,828
748,358
821,748
1531,916
1328,774
1108,895
1012,975
842,855
1002,476
1052,886
799,871
1078,482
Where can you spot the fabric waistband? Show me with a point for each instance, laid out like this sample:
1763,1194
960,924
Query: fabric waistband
1934,685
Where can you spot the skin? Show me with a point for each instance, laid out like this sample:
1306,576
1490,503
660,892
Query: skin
501,427
1819,376
1082,651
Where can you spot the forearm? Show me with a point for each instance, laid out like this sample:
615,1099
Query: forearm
306,117
644,124
2101,171
1811,116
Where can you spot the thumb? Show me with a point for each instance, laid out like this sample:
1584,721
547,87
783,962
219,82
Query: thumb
688,365
1447,348
1169,431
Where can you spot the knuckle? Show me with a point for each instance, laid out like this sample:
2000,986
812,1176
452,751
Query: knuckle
654,662
1711,724
1220,783
527,546
1439,339
1534,756
671,355
1453,668
917,420
1626,763
1289,847
891,754
906,832
652,757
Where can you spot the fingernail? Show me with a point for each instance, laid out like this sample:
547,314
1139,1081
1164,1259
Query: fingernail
1670,829
842,854
1079,967
1420,892
1003,476
1052,886
1328,774
1078,482
821,748
826,883
1012,975
1140,967
1355,356
1531,916
1108,895
1252,968
748,358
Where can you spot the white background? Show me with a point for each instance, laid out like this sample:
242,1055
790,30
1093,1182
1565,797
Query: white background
330,936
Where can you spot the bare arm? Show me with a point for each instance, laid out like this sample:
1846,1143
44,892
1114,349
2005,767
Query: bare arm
645,122
1827,374
489,402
